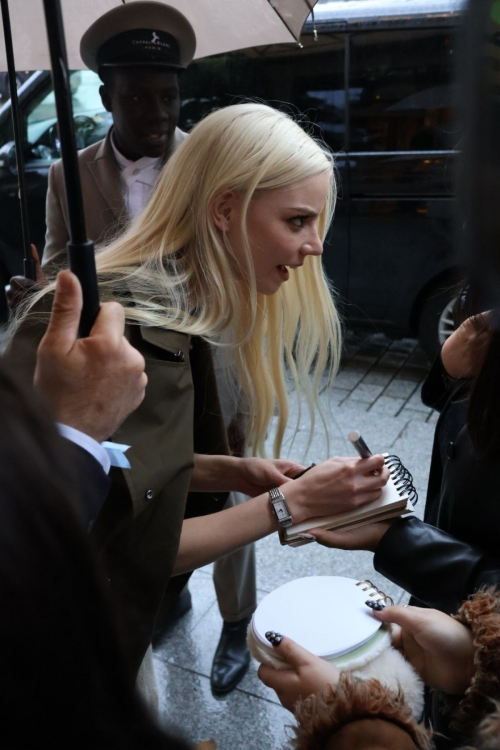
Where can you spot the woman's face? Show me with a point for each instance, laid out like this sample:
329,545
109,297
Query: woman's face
282,228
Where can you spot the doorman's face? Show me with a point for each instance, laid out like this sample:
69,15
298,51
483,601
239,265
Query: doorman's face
144,102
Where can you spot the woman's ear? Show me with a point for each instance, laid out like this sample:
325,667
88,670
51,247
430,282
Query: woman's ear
223,210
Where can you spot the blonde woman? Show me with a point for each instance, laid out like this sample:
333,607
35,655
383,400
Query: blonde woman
231,240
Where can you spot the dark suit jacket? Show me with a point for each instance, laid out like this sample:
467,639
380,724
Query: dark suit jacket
91,482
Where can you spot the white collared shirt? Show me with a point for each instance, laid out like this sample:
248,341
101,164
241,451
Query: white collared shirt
138,179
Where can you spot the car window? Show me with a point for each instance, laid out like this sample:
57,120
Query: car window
401,94
91,119
304,81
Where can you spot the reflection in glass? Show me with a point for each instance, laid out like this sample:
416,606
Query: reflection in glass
401,93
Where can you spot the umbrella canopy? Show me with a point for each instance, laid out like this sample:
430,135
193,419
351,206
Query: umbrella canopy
220,26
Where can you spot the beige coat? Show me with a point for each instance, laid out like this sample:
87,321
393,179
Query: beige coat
105,211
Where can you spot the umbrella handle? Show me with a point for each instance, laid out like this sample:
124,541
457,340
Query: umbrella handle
80,249
79,255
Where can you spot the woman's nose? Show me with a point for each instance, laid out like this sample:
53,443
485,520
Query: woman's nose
313,246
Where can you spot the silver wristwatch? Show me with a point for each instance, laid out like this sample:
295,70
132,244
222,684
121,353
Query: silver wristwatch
280,508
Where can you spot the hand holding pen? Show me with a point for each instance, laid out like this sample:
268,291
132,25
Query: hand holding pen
338,484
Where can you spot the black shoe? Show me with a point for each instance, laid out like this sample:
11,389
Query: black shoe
232,657
168,618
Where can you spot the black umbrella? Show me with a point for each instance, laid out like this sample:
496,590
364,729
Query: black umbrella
80,249
29,263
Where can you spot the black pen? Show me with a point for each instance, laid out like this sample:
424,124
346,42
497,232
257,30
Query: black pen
360,445
301,473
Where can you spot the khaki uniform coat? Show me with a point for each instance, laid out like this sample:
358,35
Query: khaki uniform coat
136,534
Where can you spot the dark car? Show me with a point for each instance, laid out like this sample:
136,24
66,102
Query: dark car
21,77
377,86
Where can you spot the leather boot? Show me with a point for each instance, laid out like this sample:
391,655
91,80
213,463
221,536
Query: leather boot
232,657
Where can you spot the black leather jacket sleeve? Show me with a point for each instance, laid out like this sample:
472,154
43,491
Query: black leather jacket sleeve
438,386
434,567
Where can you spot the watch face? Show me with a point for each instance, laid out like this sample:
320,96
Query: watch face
281,509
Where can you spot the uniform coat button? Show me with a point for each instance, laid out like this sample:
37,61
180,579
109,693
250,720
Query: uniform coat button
149,494
450,450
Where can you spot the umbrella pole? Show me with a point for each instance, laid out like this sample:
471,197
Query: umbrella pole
29,263
80,249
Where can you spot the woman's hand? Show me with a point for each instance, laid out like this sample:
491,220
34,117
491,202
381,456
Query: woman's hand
463,353
258,475
252,476
308,674
364,537
336,485
439,648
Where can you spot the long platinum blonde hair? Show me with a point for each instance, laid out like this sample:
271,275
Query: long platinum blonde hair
174,269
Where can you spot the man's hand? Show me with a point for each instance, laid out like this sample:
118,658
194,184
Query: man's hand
439,648
309,675
94,383
463,353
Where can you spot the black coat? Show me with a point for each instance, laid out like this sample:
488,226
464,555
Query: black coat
442,560
455,550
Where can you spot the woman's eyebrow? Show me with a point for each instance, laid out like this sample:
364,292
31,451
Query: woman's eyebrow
303,210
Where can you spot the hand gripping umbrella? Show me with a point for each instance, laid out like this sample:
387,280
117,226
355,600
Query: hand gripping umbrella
80,249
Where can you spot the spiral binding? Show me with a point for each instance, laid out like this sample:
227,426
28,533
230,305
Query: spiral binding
403,480
375,591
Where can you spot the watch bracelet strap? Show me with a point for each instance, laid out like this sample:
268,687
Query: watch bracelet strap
275,494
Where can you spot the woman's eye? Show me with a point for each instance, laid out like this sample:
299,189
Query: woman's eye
298,221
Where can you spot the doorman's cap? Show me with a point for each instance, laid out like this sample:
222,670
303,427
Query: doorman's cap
139,33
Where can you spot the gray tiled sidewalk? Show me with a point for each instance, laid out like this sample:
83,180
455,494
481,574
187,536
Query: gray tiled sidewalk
377,392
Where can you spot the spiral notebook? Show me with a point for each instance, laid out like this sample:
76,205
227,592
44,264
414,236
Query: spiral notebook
307,609
397,499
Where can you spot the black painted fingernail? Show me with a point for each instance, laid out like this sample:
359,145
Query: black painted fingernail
274,638
377,606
